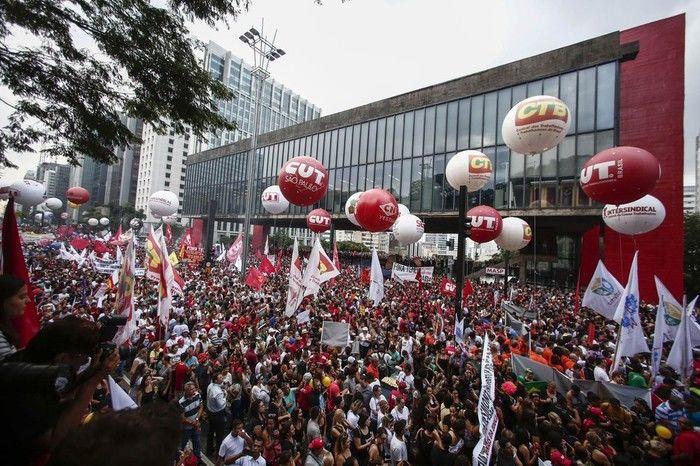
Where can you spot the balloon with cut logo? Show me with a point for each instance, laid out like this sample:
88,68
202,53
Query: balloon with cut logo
486,223
77,195
273,201
28,192
635,218
408,229
376,210
620,175
469,168
303,180
318,221
536,124
163,203
515,234
350,206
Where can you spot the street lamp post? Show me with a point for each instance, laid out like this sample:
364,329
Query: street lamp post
264,51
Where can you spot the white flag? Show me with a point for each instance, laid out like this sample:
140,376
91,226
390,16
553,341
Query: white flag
632,339
267,245
376,287
488,418
234,252
120,399
295,292
668,318
603,293
124,301
459,331
681,355
312,274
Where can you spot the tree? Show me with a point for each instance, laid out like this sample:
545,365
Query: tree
692,254
281,240
140,61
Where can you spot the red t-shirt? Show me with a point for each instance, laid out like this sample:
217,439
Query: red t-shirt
179,375
688,441
333,392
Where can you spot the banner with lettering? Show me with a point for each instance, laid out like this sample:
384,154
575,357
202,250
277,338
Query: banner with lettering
488,419
404,273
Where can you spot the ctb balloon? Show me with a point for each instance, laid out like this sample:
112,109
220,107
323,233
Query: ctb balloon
635,218
536,124
318,221
303,180
408,229
273,201
469,168
350,206
163,203
486,223
376,210
515,234
620,175
77,195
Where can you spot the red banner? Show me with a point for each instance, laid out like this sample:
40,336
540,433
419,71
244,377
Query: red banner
447,287
255,279
467,290
266,266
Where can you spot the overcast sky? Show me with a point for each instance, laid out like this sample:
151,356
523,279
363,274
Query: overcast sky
341,55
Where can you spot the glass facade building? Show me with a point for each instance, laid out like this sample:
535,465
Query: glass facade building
406,153
280,106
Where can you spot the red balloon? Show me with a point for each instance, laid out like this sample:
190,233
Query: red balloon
303,180
376,210
318,221
620,175
78,195
486,223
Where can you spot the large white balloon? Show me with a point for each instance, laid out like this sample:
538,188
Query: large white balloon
163,203
635,218
408,229
93,222
403,210
104,221
469,168
273,200
5,189
350,206
54,203
515,235
170,219
536,124
28,192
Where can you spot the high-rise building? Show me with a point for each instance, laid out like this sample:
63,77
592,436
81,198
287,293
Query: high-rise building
30,175
122,177
378,241
91,175
281,106
56,178
161,165
689,199
611,84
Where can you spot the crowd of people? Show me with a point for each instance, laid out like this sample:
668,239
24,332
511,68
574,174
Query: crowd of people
253,387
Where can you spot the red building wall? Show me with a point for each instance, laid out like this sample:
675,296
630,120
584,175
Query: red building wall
651,117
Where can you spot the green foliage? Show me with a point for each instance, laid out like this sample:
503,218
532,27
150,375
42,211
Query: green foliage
692,254
281,240
141,62
352,246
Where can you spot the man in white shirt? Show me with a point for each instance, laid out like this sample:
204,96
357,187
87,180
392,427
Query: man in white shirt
397,446
377,397
260,391
599,373
233,445
216,407
406,376
400,411
254,459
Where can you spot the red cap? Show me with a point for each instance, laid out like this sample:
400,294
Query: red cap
316,444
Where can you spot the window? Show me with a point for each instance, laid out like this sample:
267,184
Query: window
586,100
567,93
415,186
418,126
363,142
477,114
490,117
452,111
169,158
381,132
372,142
389,139
167,167
605,96
408,134
171,141
463,124
398,135
170,150
440,128
405,181
504,106
429,135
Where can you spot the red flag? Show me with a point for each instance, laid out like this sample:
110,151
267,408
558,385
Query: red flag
168,234
80,243
117,235
336,260
467,290
13,264
591,332
64,231
255,279
278,263
100,247
365,276
266,266
447,287
419,278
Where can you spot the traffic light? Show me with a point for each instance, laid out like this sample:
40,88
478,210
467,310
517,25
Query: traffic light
467,226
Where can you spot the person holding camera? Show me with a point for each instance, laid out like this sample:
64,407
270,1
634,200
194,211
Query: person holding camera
49,386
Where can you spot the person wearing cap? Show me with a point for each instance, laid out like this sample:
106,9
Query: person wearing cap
318,455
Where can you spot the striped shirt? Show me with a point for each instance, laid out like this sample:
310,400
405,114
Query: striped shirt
664,412
190,408
6,348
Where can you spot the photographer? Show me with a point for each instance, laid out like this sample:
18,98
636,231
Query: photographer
49,386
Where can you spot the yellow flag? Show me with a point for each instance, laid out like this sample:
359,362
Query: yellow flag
173,258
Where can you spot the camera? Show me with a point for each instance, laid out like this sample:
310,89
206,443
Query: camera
36,378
